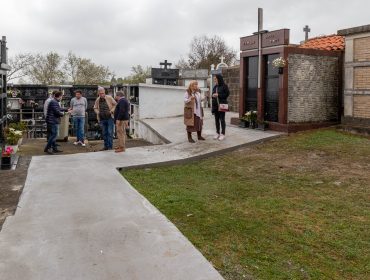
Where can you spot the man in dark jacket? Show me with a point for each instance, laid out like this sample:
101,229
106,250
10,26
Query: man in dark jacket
54,113
121,117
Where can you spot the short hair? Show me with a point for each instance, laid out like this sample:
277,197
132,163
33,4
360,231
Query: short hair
101,88
57,93
121,93
78,91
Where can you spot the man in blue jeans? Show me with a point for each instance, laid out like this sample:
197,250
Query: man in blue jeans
78,110
104,108
54,113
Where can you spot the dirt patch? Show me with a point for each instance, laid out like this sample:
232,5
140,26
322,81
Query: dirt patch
11,186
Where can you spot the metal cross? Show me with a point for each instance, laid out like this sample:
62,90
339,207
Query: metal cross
222,58
306,29
165,63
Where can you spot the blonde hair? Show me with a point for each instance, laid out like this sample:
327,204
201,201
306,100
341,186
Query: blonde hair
189,90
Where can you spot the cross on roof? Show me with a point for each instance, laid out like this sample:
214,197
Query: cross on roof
165,63
306,29
222,58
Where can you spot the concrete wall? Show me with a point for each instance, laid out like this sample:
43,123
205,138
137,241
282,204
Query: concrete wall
357,77
157,101
313,88
232,79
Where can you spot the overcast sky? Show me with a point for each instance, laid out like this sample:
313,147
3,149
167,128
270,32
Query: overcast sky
122,33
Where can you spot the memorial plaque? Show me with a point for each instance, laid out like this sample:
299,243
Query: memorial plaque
249,43
275,38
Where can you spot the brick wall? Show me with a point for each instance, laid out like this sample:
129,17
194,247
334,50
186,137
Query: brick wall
362,49
361,77
361,106
313,88
232,77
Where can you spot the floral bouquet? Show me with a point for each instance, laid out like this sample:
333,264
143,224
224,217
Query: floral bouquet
13,135
279,62
7,152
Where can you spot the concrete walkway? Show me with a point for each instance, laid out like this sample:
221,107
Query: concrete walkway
78,218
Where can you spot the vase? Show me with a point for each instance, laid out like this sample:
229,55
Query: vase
243,124
6,163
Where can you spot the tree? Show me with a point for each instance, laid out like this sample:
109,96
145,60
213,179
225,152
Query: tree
139,75
182,64
20,65
83,71
205,51
46,69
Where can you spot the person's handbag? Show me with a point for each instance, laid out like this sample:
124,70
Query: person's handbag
189,114
222,107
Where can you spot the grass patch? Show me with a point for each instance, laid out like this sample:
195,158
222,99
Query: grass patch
294,208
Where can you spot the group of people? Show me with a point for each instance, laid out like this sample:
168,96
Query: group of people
110,112
115,112
193,111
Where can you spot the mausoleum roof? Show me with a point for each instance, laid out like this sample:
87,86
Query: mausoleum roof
329,43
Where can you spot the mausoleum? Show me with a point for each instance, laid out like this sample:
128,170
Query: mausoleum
357,79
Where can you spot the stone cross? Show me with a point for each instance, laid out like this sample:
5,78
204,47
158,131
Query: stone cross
222,58
306,29
165,64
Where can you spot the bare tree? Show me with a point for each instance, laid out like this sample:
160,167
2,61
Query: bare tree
139,75
20,65
80,70
70,67
46,69
182,64
205,51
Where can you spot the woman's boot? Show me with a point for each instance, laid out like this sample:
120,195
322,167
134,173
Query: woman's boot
199,133
190,139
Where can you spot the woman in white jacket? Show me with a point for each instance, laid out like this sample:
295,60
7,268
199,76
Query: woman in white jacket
193,101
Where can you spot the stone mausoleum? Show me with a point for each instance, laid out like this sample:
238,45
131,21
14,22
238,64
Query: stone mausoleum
304,94
357,79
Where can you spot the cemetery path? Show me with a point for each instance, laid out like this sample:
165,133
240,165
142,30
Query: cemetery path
78,218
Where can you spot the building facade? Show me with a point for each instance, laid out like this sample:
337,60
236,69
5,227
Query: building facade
357,79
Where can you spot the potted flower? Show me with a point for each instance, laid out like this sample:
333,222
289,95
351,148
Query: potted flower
244,120
262,125
20,126
253,119
12,137
6,157
279,63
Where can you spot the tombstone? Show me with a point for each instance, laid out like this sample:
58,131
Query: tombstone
4,67
165,76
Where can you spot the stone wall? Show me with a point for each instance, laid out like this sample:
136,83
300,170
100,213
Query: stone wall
232,79
313,88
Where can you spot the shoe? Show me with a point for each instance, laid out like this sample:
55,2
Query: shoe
120,150
57,151
48,151
83,144
76,143
216,137
222,137
104,149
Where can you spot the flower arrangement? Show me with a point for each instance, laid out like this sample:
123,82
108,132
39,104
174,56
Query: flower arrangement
251,116
13,135
279,62
7,152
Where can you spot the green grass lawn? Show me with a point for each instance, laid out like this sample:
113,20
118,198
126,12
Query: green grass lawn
297,207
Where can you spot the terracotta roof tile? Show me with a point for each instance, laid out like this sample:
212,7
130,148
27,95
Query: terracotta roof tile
330,42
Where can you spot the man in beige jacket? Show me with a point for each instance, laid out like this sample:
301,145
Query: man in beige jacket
104,108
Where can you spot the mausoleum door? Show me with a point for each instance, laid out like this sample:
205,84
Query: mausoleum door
271,104
252,79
